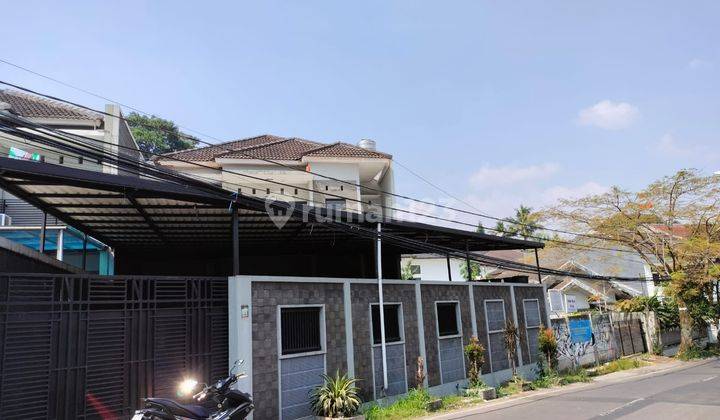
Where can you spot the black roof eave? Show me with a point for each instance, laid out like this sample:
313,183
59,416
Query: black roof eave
45,173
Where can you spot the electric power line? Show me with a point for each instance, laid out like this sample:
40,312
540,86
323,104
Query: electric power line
413,244
45,127
478,213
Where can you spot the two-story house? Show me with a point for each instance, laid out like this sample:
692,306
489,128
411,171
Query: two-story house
312,173
20,221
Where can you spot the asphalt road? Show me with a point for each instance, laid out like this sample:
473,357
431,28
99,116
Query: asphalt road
686,392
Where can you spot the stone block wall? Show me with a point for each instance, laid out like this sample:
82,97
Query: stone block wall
486,292
362,296
266,297
522,293
266,294
436,293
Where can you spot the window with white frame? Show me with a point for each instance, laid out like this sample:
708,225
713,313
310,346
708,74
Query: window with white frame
393,322
300,329
495,319
447,319
531,308
415,271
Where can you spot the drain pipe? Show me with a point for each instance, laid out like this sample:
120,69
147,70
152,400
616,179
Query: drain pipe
378,250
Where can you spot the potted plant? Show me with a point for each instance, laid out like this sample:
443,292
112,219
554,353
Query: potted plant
336,398
475,353
510,339
547,344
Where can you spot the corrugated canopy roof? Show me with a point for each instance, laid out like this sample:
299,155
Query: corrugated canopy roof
125,211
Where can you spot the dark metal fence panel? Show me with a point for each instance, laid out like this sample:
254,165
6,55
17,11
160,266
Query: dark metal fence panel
82,347
630,336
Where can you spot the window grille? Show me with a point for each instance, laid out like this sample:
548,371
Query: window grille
531,307
495,316
447,319
300,330
392,323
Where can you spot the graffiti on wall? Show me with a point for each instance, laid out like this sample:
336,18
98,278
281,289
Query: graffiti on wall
583,341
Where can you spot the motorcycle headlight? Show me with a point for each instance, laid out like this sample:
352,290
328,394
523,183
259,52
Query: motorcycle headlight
187,386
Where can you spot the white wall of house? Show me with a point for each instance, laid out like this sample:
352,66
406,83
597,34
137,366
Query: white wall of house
436,268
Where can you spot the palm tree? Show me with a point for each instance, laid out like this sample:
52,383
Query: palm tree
524,224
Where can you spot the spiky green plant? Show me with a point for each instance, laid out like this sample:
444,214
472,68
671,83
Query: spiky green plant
337,397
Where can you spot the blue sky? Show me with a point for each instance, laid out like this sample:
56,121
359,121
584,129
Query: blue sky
498,102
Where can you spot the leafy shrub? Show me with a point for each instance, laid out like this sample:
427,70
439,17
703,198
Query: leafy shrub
336,397
696,352
414,404
618,365
510,338
475,353
547,344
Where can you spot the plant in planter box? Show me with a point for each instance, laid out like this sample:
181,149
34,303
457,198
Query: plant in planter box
475,353
510,339
547,344
336,398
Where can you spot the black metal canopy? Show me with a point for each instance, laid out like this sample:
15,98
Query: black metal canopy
131,211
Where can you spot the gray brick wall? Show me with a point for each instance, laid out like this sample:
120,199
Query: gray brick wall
482,293
430,295
527,293
266,297
364,294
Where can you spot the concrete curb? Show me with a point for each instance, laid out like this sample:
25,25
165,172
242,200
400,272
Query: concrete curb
598,382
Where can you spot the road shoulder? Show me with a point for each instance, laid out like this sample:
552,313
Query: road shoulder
598,382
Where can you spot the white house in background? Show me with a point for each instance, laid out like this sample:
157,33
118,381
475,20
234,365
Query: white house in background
256,159
567,294
20,221
106,131
435,267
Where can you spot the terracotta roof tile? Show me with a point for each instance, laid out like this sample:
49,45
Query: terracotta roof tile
209,153
347,150
274,148
32,106
289,149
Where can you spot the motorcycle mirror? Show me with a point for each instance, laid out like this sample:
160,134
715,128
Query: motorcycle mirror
237,364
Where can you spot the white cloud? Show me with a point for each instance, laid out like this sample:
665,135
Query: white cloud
667,145
609,115
489,176
559,192
670,146
698,64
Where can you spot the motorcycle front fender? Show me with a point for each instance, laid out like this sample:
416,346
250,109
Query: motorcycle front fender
152,414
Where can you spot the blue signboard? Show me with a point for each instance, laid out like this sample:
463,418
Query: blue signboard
580,330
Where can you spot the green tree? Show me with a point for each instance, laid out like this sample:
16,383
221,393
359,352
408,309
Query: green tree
477,271
480,228
524,224
407,270
157,136
673,225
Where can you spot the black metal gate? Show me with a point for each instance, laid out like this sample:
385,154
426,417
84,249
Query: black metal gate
630,336
81,347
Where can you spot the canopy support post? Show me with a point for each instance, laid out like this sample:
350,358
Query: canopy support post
84,253
467,261
235,241
447,256
43,232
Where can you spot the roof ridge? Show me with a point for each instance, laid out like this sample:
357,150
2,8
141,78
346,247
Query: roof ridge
324,146
209,146
254,147
50,102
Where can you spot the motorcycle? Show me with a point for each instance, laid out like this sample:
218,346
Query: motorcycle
214,402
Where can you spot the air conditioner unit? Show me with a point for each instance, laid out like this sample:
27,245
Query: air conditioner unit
5,220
